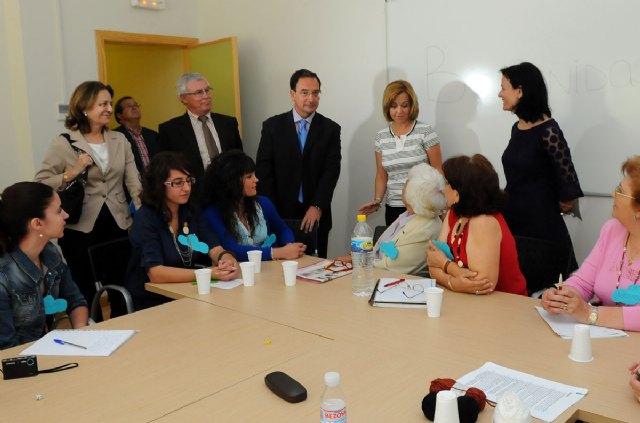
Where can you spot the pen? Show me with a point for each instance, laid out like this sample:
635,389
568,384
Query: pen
560,282
61,342
393,283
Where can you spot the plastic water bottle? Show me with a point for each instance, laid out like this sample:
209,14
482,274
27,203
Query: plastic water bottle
333,407
362,257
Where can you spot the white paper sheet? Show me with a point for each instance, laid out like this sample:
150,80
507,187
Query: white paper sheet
546,399
563,326
98,343
226,284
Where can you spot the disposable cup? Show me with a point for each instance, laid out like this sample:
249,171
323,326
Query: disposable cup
289,268
203,278
434,301
248,269
581,344
256,257
446,408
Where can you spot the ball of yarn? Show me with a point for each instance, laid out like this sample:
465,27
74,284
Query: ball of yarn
438,385
468,409
478,395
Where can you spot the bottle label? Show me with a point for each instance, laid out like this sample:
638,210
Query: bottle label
333,416
361,245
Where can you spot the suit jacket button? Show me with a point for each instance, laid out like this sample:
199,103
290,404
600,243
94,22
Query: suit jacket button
104,196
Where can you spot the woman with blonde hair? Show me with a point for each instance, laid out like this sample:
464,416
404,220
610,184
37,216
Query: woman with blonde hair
404,143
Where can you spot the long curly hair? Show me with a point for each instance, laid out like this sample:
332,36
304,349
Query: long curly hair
224,188
153,189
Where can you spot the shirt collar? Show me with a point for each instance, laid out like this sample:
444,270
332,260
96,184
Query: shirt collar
297,118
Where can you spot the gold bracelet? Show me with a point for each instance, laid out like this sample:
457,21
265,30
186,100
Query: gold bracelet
65,177
449,283
446,266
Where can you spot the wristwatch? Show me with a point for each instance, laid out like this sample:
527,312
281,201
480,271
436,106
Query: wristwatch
593,316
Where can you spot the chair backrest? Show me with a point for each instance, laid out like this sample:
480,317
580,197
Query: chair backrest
310,239
108,261
542,261
379,230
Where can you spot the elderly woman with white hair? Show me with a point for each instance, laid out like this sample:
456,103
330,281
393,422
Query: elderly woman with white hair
401,246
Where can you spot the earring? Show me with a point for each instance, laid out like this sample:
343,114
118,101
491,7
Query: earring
40,235
84,113
635,218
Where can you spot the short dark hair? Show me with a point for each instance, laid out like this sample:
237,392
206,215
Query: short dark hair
83,97
534,104
224,188
117,109
477,184
302,73
20,203
153,189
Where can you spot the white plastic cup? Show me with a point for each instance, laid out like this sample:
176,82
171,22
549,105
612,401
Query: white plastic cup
256,257
581,344
203,279
446,408
248,269
290,268
434,300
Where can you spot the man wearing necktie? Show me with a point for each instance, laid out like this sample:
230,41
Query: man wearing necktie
199,134
298,160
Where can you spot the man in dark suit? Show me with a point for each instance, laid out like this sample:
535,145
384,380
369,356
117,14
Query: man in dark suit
298,161
198,134
144,141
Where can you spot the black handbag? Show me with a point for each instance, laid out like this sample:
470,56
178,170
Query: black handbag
72,195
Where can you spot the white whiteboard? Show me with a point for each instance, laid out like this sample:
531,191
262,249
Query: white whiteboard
588,50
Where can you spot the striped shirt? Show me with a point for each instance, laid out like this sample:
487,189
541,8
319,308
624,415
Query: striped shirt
401,153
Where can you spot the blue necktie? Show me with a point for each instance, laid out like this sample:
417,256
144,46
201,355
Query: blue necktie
302,136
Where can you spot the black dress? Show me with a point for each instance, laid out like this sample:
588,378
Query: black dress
539,171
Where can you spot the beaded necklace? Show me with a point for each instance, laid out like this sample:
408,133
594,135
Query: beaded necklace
185,256
624,253
456,241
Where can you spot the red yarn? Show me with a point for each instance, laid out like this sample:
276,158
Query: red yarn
438,385
444,384
478,395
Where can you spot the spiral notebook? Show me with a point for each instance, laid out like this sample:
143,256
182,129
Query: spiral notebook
81,342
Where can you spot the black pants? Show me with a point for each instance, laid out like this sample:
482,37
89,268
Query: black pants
391,213
75,244
323,230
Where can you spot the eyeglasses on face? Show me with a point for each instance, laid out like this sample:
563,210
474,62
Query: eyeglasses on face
618,191
307,93
200,93
178,183
131,106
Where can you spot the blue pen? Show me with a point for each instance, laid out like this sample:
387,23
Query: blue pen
61,342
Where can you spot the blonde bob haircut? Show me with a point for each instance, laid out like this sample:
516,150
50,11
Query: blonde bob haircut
631,168
424,191
393,90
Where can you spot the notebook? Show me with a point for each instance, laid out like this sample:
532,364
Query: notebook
79,342
406,294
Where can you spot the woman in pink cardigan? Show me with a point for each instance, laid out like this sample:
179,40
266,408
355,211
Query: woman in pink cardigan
605,291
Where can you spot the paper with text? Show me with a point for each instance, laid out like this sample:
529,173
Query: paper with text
563,326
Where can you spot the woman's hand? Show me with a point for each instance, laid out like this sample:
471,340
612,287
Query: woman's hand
345,259
224,271
634,381
435,256
370,207
566,300
290,251
83,161
468,283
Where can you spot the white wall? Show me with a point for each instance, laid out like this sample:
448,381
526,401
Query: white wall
344,43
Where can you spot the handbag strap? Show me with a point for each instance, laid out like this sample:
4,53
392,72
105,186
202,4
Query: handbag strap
83,174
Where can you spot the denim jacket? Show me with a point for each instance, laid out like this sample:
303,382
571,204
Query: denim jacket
22,316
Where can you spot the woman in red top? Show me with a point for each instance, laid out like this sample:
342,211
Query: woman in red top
483,249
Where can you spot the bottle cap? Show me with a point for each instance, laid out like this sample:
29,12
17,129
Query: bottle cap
362,218
332,379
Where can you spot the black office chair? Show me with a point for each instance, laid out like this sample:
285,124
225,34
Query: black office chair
377,232
108,261
309,239
542,261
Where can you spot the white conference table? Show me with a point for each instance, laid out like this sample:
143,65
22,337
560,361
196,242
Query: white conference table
391,355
